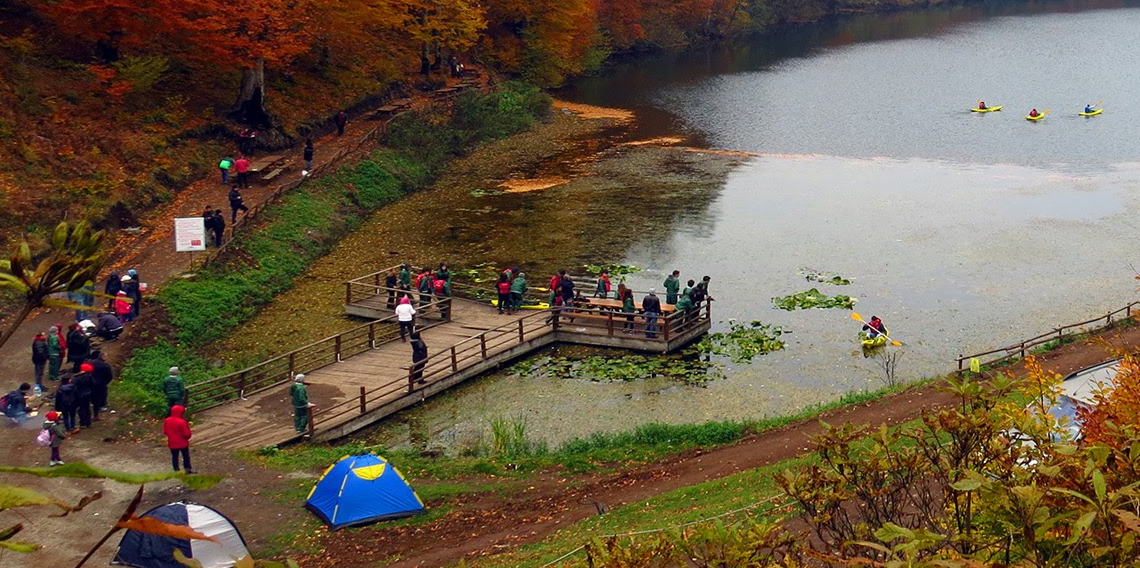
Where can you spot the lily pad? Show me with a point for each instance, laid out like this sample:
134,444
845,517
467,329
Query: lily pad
813,299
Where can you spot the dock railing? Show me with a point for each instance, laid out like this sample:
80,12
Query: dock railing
439,365
1023,348
281,369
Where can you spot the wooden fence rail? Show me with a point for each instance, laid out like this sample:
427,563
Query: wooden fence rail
1021,349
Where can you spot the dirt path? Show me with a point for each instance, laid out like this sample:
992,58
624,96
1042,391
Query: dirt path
484,526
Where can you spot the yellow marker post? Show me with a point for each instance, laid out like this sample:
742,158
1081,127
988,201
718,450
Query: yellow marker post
975,365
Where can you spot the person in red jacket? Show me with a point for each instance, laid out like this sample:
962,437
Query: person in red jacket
177,431
242,167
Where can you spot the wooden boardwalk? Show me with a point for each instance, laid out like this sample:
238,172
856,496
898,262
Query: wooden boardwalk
265,418
359,377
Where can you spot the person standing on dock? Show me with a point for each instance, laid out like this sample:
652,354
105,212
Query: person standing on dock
503,287
236,204
518,288
299,396
651,305
603,289
406,317
555,286
425,284
672,285
419,358
390,282
406,278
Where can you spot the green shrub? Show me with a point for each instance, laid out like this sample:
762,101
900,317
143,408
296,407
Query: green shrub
141,377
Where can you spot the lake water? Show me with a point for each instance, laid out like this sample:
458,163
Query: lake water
963,231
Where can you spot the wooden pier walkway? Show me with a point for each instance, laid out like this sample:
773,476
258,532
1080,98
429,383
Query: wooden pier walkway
363,375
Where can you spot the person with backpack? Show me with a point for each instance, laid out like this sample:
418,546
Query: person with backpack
78,346
56,348
102,375
224,166
177,431
84,391
67,403
440,289
555,285
55,436
173,388
425,284
603,289
39,358
14,405
672,285
133,288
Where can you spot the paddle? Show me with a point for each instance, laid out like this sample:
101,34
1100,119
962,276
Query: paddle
855,316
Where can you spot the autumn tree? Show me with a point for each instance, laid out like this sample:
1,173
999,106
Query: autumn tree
1114,415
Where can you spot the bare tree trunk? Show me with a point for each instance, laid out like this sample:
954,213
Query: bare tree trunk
20,317
250,106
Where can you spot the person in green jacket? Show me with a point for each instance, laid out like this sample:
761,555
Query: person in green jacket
406,279
628,307
444,274
518,288
55,353
224,166
300,399
672,284
173,388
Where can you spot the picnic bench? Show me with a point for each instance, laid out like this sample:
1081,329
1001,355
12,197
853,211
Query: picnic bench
608,304
265,162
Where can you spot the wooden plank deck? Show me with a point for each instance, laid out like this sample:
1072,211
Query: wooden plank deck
265,419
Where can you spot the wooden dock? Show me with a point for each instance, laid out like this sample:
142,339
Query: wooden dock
363,375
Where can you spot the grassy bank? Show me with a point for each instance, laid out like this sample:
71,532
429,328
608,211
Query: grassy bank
304,225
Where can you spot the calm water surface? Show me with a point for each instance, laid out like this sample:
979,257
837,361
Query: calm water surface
962,231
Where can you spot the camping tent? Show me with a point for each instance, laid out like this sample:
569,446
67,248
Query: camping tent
146,550
362,489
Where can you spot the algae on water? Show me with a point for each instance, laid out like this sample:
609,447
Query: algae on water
824,277
813,299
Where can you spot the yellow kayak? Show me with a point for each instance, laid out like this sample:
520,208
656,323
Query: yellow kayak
1093,113
527,306
987,109
868,343
1035,118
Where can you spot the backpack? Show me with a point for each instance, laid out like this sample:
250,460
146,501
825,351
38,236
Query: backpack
44,439
439,287
4,403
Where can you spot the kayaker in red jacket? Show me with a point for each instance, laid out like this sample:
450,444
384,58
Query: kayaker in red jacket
177,431
1033,112
981,105
875,327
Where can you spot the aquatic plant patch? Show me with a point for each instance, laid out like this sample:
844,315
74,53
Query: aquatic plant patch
824,277
616,271
744,341
689,370
813,299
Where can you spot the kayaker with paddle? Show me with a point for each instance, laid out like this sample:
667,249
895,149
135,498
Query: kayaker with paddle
1088,109
1033,113
874,328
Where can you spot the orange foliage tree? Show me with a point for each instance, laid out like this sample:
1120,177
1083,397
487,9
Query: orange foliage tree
1114,416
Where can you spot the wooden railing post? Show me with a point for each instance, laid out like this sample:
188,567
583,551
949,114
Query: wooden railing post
363,406
610,322
960,358
454,361
1022,349
483,344
312,422
522,335
291,354
241,385
337,342
348,292
372,335
411,378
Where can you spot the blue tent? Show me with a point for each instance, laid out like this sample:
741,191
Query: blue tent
363,489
